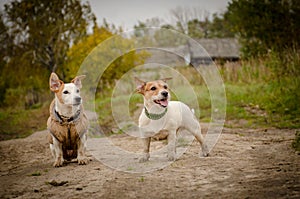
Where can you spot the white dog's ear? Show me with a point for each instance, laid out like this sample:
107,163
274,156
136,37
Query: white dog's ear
55,83
140,85
77,80
166,79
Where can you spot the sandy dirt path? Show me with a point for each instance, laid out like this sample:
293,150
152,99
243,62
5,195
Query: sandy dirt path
245,163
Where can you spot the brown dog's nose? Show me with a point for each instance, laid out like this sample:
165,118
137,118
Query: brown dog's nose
78,99
164,93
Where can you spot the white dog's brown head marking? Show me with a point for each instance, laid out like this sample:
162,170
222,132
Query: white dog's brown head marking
69,93
154,92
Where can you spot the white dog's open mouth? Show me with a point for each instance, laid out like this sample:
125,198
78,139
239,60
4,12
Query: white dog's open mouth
162,102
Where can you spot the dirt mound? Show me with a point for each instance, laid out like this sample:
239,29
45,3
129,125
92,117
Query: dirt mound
246,163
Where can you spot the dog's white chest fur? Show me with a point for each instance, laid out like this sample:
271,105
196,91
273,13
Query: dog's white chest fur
178,115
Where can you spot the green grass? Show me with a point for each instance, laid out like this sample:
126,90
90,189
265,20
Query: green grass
37,173
20,123
250,103
254,103
296,142
141,179
260,93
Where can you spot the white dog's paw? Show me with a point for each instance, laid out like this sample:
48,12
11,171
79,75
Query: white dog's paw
144,158
83,160
58,162
204,154
171,157
204,151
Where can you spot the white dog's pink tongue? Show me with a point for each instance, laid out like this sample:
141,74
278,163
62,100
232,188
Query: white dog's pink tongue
164,102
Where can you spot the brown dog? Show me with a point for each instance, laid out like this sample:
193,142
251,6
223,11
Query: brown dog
67,123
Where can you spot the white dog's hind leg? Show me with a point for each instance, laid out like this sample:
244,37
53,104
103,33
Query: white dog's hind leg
81,156
200,139
195,129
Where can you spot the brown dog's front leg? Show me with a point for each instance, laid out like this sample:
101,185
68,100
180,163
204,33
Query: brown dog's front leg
81,156
146,154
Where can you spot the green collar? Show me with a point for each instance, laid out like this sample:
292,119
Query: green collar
154,116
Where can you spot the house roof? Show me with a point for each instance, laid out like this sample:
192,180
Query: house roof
217,48
201,49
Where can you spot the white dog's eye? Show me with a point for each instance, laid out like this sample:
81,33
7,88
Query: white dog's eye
77,90
66,92
165,87
153,88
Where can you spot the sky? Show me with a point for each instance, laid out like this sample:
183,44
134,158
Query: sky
127,13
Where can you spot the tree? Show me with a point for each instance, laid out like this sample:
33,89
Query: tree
265,25
198,29
99,55
186,19
219,27
79,51
46,29
35,36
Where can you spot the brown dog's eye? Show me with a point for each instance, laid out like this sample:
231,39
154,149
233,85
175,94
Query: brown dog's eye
153,88
66,92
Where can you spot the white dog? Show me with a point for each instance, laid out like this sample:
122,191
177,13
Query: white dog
67,123
161,115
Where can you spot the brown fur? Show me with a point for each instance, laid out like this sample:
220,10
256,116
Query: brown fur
60,132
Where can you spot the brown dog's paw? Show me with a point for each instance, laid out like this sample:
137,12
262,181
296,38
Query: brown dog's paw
83,160
58,163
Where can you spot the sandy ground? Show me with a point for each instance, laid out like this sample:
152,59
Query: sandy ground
245,163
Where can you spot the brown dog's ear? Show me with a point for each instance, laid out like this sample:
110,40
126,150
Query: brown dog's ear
166,79
140,85
55,83
77,80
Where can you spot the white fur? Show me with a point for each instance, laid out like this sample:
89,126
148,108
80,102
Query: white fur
68,107
57,153
178,116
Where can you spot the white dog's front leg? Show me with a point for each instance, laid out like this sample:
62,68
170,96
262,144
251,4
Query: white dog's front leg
56,149
172,146
146,150
81,157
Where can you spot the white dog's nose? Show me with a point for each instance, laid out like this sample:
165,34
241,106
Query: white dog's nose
164,93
